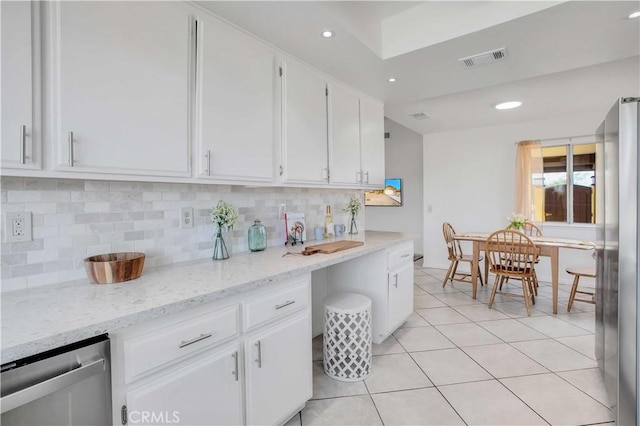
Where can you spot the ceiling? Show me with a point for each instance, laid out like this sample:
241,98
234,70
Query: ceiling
563,58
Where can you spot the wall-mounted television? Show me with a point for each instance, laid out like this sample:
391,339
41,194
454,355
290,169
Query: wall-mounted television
389,196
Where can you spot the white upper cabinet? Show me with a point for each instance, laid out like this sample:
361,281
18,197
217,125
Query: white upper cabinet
122,87
344,144
304,133
372,142
236,104
19,51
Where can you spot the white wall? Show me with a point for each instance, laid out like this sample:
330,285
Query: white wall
403,159
469,182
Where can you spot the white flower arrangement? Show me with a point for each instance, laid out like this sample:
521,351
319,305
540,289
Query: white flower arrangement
353,207
516,220
224,215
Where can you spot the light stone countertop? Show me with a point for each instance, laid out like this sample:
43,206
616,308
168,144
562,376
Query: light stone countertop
39,319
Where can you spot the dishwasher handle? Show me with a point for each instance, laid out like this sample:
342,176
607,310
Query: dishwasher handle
42,389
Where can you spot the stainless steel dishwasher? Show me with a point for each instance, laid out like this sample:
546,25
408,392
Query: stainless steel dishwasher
66,386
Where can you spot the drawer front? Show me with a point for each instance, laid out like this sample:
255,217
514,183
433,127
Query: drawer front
148,351
269,307
400,255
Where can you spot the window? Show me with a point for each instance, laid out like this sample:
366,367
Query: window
565,192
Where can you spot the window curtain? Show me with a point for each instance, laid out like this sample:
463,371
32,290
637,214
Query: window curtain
528,165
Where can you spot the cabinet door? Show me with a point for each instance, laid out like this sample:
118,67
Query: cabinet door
400,295
236,90
19,53
205,392
344,146
372,142
305,156
123,87
279,371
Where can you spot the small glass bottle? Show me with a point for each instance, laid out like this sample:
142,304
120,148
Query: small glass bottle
328,224
257,236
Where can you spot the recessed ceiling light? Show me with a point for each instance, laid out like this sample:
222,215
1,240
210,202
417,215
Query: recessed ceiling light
508,105
392,80
635,14
327,34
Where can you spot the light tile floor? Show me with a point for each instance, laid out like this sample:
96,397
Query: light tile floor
456,362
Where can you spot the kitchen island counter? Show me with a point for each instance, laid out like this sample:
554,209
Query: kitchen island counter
44,318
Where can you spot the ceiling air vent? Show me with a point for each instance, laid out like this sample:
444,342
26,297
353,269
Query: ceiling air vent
484,58
419,116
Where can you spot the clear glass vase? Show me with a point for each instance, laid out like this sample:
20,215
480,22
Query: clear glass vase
220,251
257,236
353,226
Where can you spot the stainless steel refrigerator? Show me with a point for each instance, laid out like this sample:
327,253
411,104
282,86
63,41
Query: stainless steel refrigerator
617,159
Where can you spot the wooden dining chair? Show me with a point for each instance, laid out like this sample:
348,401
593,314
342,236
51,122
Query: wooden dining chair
531,230
456,256
512,254
578,272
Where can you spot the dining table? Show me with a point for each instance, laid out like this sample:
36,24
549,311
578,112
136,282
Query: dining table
547,246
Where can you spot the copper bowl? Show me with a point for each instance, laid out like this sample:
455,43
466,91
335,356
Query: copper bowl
114,267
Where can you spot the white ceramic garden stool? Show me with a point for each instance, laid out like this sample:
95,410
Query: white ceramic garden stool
347,337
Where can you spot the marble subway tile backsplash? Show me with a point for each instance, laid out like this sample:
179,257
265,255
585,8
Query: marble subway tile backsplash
73,219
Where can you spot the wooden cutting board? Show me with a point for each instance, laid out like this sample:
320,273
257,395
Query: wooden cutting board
328,248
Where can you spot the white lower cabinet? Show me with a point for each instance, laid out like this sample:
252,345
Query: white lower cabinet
202,370
279,378
202,392
400,285
386,277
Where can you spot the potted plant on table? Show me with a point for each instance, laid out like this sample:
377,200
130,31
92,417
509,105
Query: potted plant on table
353,208
224,216
516,221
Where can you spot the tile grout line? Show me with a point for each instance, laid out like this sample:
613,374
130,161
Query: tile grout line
495,378
462,349
489,373
364,382
439,391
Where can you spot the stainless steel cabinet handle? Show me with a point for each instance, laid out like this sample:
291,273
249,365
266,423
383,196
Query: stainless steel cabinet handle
325,174
195,340
405,255
281,170
70,138
235,359
208,157
259,360
396,282
367,175
287,303
23,144
359,176
42,389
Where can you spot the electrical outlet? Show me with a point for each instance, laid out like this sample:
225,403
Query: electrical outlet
17,227
186,217
282,209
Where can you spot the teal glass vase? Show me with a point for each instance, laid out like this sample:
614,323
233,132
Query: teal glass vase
257,236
